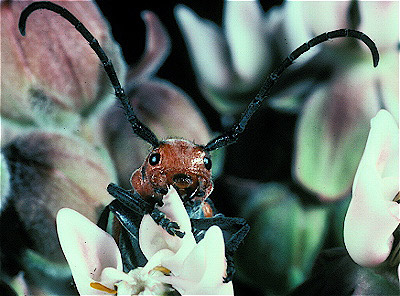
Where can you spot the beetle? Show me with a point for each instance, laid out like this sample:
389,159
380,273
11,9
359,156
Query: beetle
177,162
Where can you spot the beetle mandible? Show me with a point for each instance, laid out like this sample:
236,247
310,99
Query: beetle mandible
176,162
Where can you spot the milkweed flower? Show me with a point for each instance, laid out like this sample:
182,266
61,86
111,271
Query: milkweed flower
331,131
232,61
361,15
333,125
48,171
44,79
373,215
173,263
329,95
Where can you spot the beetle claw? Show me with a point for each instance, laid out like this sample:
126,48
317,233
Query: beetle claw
179,234
172,229
230,269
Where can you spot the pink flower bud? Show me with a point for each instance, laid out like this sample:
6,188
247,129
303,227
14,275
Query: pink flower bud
50,171
52,71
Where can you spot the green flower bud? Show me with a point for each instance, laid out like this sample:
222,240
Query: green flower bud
332,131
284,239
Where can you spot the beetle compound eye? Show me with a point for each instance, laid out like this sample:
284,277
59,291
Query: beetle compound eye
207,163
154,158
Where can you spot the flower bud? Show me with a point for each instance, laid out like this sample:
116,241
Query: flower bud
50,171
384,30
284,239
332,130
389,82
51,74
230,61
324,16
156,51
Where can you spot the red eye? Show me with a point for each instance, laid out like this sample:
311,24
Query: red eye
154,158
207,163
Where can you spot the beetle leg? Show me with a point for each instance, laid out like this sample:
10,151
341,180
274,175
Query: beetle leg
237,228
134,202
103,220
169,226
131,199
200,190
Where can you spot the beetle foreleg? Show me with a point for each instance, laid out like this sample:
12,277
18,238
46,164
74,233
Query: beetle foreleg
169,226
133,201
103,220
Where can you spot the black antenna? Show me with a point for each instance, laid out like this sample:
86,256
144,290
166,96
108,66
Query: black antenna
138,127
232,135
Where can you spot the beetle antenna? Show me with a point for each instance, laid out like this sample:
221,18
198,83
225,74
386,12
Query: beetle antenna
233,134
138,127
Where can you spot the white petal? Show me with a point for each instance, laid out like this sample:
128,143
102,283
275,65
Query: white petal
212,281
204,268
206,46
157,260
87,248
153,237
110,276
246,36
215,256
384,30
319,16
296,30
177,262
382,146
372,215
175,210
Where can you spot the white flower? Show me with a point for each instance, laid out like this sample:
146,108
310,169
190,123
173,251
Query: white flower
373,216
232,61
317,17
190,268
239,52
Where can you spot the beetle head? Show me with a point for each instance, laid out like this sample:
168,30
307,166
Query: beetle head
178,163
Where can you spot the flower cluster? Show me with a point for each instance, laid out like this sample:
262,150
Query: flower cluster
173,263
232,62
331,94
322,150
